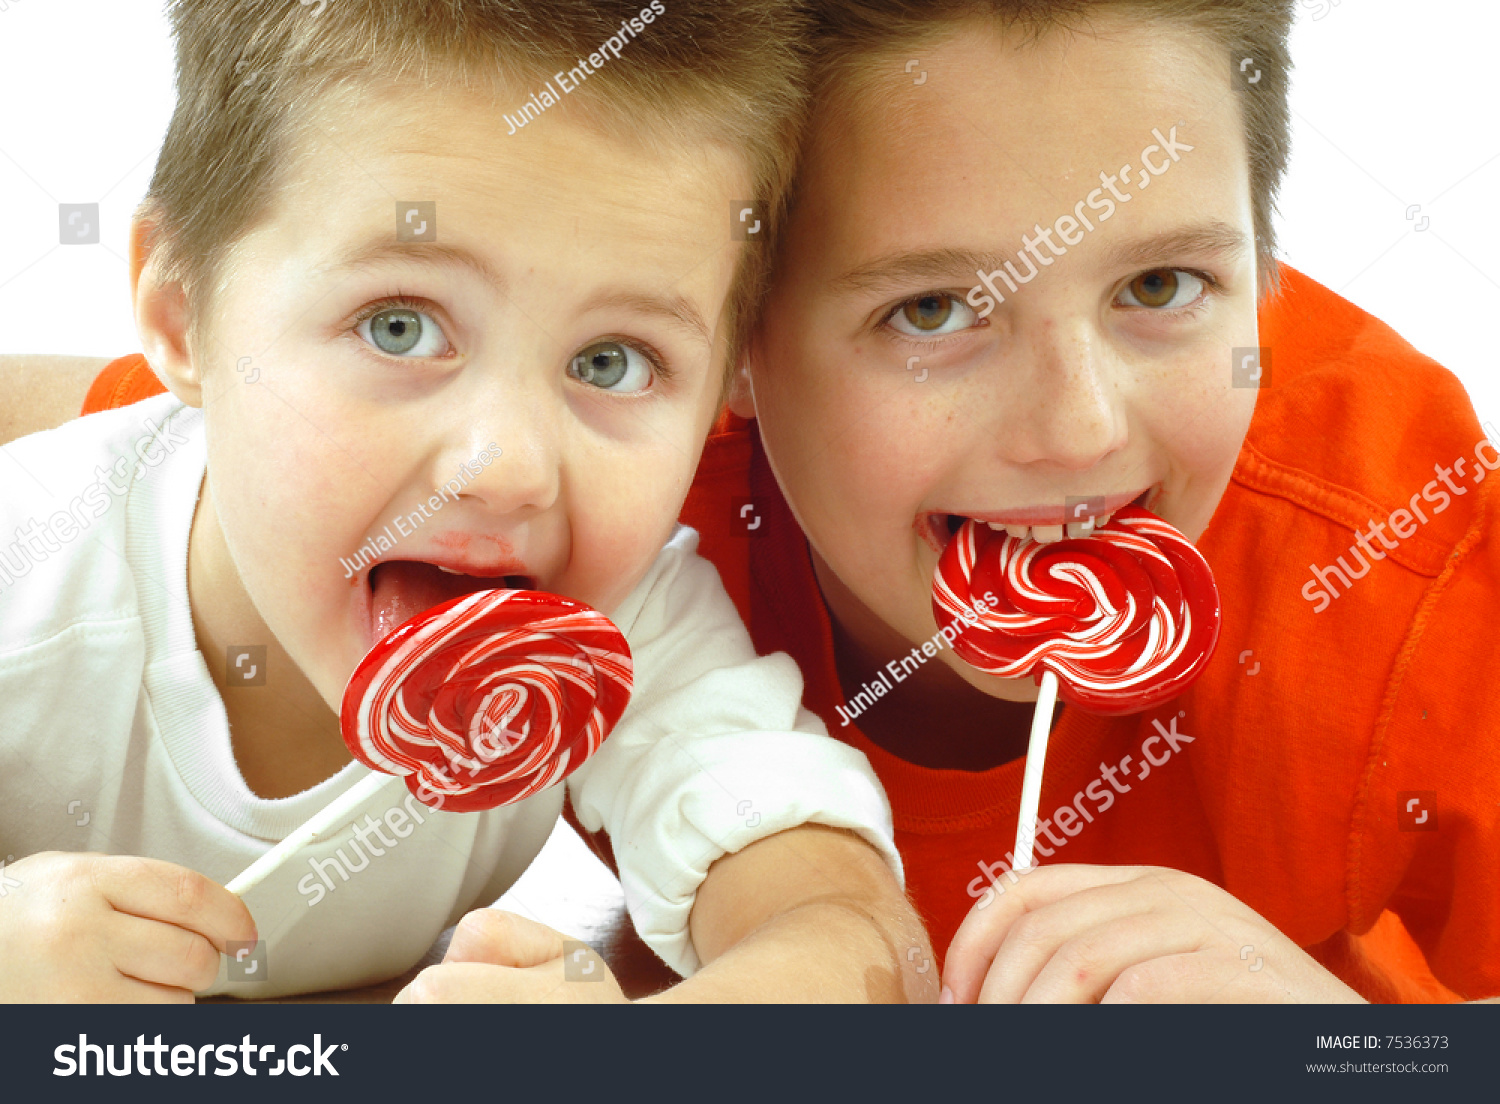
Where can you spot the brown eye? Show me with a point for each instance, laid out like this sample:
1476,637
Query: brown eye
1155,289
929,312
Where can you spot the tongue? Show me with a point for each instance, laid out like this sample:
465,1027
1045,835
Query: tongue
402,589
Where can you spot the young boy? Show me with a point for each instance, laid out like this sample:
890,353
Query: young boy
1032,275
376,305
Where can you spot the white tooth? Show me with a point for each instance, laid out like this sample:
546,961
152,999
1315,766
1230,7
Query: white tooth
1078,530
1020,532
449,570
1101,522
1046,534
995,528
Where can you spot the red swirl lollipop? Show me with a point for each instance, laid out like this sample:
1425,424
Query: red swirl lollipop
1127,618
488,698
1116,623
479,702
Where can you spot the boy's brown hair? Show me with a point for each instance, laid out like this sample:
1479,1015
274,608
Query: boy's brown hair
860,41
250,71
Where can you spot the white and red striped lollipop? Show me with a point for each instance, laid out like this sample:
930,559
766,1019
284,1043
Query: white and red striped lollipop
479,702
488,698
1125,619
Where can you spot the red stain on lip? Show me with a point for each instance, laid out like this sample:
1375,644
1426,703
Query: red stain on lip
924,529
460,543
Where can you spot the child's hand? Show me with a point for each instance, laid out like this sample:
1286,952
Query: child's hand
88,928
499,957
1078,934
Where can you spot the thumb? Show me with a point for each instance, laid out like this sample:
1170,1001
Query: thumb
503,939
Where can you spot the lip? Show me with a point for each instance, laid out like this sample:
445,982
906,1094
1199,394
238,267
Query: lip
487,569
933,527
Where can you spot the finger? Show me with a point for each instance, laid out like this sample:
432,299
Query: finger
474,983
146,992
160,953
985,928
1084,966
1077,921
1035,939
1196,978
172,894
502,938
112,987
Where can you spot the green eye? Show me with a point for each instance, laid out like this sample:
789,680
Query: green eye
396,331
602,365
403,331
611,366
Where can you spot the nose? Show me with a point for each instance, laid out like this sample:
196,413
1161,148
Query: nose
505,450
1067,407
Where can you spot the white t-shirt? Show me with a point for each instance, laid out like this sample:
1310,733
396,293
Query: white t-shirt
113,736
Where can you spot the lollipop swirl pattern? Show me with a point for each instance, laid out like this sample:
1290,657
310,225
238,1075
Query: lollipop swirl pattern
1126,618
489,698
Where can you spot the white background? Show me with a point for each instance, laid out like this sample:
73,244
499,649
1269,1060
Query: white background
1394,106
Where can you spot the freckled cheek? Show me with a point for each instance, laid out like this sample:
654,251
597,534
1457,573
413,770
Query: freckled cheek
889,460
1193,413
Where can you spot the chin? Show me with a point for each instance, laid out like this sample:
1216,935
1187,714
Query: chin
1013,690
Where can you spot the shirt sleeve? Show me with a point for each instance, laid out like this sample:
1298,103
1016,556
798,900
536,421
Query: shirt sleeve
714,752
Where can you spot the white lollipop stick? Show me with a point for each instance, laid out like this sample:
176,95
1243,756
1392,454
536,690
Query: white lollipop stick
333,815
1036,760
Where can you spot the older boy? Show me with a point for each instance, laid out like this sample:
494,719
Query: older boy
1034,276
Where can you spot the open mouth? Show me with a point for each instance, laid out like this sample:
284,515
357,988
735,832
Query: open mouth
940,527
401,589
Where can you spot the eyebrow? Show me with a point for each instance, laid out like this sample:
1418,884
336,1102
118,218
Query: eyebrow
1208,238
384,250
901,271
675,309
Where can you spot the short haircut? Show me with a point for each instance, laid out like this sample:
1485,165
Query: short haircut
249,73
857,41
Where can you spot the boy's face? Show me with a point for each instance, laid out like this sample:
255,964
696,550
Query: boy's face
555,351
889,407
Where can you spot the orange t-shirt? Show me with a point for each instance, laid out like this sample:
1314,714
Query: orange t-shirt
1285,778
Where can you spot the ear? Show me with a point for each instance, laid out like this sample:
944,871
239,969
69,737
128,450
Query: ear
161,315
741,400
